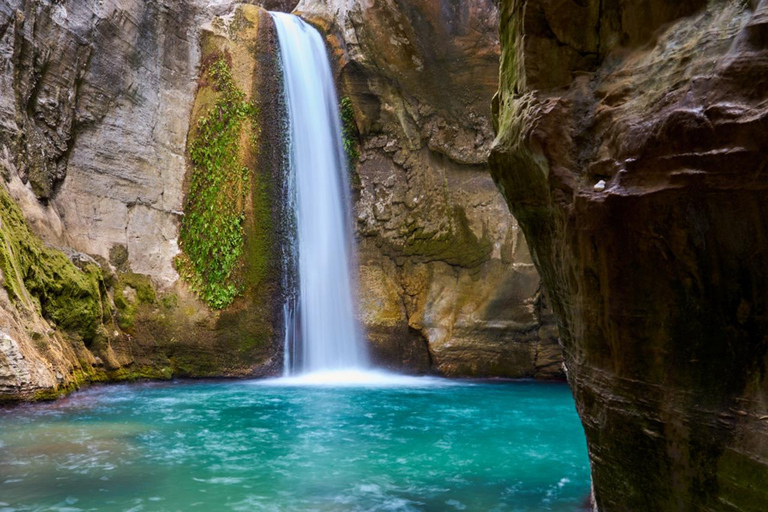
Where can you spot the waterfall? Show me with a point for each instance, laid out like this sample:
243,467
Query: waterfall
321,333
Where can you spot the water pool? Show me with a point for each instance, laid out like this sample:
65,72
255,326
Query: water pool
421,444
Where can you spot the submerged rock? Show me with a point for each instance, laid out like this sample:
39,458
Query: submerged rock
659,281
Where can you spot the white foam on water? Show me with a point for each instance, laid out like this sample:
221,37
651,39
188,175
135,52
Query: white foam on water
356,378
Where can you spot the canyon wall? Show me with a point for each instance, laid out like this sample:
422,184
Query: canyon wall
445,277
632,147
117,119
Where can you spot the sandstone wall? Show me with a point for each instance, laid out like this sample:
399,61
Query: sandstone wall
658,276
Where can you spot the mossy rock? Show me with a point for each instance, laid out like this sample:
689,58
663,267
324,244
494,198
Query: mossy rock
458,246
225,233
44,279
231,228
131,290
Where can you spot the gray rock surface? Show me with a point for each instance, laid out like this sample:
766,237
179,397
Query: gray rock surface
94,117
94,114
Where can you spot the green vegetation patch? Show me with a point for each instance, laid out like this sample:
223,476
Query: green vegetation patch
259,233
349,133
212,228
44,278
130,291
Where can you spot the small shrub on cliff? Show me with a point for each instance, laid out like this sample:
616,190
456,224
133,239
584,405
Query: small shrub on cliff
349,132
211,235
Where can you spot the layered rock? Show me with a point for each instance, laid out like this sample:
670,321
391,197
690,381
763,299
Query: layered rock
446,280
632,147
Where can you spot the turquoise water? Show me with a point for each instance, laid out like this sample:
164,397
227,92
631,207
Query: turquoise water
427,445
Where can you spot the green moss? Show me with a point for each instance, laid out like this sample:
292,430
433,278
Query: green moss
742,480
170,301
349,132
141,373
457,246
48,394
258,238
189,365
83,377
127,303
141,283
118,256
79,379
211,236
45,279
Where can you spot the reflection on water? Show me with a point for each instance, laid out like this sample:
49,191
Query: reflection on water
426,444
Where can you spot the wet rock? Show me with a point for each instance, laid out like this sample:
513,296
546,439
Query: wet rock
14,371
658,280
445,277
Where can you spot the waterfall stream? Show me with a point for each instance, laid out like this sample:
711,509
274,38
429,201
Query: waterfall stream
321,333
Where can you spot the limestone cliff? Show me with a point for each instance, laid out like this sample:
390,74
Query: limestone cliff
95,111
142,141
632,147
446,279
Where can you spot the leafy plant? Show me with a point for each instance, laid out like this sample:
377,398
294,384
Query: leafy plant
211,235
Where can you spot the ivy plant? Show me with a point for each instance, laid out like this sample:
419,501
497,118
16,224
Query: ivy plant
211,236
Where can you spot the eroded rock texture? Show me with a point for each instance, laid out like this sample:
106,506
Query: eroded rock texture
659,279
445,276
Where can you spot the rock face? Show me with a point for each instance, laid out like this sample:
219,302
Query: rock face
100,140
94,120
446,280
658,276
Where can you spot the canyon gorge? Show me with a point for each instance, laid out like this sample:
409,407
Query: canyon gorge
542,189
631,147
99,136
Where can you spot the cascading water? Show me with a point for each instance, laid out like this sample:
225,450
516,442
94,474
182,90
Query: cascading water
321,332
